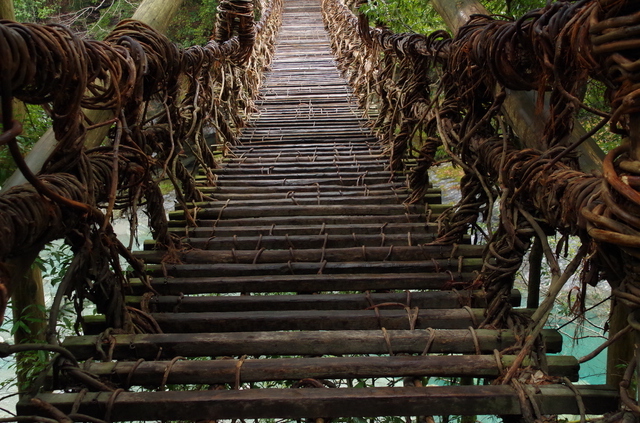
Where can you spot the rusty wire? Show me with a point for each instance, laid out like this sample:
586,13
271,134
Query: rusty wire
160,96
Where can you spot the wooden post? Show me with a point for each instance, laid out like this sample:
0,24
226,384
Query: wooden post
520,106
29,308
27,300
621,352
155,13
535,269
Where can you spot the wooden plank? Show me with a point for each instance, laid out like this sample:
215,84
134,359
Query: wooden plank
150,373
232,177
215,242
235,212
276,221
312,403
301,180
352,254
314,343
325,188
324,200
390,229
223,303
308,320
198,281
449,267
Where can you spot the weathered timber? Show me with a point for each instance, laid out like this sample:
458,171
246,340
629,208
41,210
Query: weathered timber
194,281
151,373
301,403
305,242
354,180
389,229
291,198
297,169
237,211
223,303
314,343
362,253
449,267
307,174
275,221
308,320
155,13
354,195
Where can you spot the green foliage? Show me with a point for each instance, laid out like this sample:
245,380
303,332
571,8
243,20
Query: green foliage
596,97
54,261
513,8
194,23
34,10
403,15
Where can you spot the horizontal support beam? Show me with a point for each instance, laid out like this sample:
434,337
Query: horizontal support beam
450,267
317,403
322,320
168,346
151,373
222,303
192,284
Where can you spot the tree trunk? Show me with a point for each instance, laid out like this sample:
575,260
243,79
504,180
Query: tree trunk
6,10
28,293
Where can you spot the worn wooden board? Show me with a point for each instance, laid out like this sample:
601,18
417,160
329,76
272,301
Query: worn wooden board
317,403
314,343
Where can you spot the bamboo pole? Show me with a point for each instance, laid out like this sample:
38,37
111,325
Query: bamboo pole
155,13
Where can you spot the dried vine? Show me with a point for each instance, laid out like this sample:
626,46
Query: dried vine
553,51
160,97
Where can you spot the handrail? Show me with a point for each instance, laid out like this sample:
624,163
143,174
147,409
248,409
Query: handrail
160,96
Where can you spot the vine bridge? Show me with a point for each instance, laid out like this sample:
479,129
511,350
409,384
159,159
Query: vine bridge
309,269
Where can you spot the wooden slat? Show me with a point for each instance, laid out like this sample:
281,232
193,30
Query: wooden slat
312,403
307,320
167,346
195,280
223,303
402,229
449,267
318,255
150,373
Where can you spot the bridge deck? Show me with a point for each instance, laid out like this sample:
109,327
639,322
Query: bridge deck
308,271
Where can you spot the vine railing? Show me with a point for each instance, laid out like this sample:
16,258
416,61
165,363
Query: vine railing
424,92
161,97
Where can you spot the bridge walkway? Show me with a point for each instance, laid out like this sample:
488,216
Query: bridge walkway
309,289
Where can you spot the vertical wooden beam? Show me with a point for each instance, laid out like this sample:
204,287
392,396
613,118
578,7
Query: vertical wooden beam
29,308
620,353
535,269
